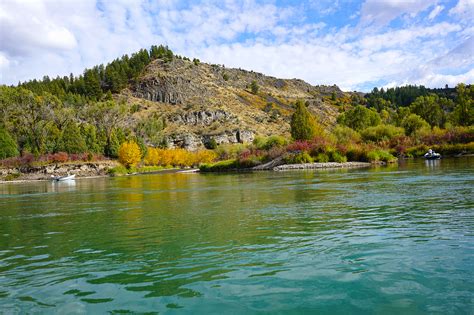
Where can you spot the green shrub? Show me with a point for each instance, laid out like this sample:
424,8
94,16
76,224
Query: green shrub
386,156
373,156
254,87
418,150
270,142
120,170
12,176
298,158
381,133
335,156
380,155
321,158
454,149
356,154
229,151
275,141
211,145
345,135
220,166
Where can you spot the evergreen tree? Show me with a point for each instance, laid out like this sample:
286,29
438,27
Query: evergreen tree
303,125
72,140
254,87
93,142
8,146
92,84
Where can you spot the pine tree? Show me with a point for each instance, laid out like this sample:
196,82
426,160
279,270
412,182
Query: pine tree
72,140
303,125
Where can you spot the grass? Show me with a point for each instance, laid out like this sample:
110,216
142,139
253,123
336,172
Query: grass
221,166
122,170
12,176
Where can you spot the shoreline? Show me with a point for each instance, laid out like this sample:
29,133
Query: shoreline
164,171
41,176
325,165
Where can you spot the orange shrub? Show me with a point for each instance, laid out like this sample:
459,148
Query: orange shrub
129,154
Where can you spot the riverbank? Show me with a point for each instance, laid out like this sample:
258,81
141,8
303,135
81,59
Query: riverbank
81,170
44,172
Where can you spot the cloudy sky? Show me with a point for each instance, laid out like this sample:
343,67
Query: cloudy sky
354,44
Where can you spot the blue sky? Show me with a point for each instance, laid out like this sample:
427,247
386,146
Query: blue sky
354,44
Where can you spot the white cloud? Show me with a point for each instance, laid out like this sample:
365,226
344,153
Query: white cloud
432,79
405,36
25,27
434,13
58,37
464,8
382,12
4,64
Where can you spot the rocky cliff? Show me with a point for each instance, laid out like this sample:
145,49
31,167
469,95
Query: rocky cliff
201,102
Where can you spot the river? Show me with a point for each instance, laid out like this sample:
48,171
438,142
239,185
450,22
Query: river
383,240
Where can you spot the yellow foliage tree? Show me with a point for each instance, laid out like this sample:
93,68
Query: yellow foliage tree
129,154
178,157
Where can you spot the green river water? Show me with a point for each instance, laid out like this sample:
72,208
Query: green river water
387,240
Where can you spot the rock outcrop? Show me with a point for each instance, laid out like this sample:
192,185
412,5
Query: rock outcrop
201,117
194,142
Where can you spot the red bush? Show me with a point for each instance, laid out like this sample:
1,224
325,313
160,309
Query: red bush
59,157
300,146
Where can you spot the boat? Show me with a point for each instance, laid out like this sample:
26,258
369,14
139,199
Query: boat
432,155
63,178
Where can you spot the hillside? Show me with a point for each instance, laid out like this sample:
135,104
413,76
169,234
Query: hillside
158,99
200,102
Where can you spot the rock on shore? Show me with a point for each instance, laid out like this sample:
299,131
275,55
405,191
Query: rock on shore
84,169
310,166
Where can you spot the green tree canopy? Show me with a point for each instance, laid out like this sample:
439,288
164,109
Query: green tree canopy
463,113
428,107
359,118
413,123
8,146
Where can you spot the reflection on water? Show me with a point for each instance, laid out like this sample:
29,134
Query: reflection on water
63,186
432,164
379,240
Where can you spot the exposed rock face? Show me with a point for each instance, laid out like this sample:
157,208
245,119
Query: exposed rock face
187,141
245,136
159,90
201,117
193,142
